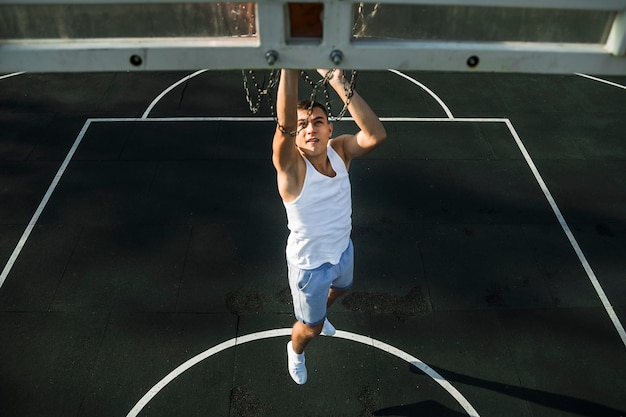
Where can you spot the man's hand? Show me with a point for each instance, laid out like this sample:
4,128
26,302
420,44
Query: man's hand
371,133
336,73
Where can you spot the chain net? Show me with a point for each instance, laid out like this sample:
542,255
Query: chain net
256,91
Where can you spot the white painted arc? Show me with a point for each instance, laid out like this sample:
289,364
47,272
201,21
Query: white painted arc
368,341
13,74
428,90
168,89
186,78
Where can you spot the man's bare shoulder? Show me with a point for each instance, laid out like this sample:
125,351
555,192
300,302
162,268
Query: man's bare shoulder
339,145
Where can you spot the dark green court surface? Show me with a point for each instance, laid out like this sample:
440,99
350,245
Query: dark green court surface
137,235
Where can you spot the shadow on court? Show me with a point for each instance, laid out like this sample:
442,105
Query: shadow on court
558,403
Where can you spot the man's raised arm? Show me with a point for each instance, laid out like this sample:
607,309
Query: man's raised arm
283,146
286,157
372,131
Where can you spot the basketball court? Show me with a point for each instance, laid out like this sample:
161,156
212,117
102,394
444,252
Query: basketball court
160,236
142,242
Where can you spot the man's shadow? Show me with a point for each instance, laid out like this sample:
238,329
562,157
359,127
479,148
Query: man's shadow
560,402
429,408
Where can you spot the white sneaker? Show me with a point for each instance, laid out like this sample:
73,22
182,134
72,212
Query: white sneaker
296,366
328,329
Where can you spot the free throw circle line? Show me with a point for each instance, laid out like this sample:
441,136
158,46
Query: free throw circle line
14,74
428,90
168,89
368,341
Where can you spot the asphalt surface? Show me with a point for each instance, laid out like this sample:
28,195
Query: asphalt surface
139,232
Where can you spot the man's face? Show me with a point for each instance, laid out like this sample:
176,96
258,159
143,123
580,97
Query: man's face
315,131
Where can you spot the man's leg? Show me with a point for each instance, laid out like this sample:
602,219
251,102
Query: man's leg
333,294
344,279
328,329
302,334
310,303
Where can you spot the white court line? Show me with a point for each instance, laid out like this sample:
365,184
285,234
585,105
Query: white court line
428,90
607,305
168,89
368,341
271,119
414,81
2,77
602,81
283,332
592,276
42,205
346,335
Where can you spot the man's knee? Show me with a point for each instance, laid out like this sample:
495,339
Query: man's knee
317,329
337,292
310,331
333,294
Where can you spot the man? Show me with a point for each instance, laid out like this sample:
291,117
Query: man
312,176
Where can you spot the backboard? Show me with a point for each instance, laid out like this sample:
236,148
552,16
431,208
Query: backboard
539,36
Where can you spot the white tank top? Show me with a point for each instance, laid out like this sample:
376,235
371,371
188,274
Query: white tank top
320,218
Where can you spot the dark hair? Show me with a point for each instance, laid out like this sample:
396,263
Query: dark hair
306,104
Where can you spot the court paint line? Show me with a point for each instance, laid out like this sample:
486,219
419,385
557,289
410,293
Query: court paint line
602,80
2,77
33,221
188,77
570,236
184,119
271,119
366,340
428,90
168,89
599,290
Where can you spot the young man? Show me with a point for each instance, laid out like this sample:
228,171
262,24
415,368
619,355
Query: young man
312,176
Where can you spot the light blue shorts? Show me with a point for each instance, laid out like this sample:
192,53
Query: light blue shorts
309,287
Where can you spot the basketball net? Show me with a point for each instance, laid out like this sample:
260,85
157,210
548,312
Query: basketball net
256,92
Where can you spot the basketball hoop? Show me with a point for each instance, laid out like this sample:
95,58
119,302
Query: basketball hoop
255,92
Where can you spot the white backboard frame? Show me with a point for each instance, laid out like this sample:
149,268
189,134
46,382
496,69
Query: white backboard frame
160,54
